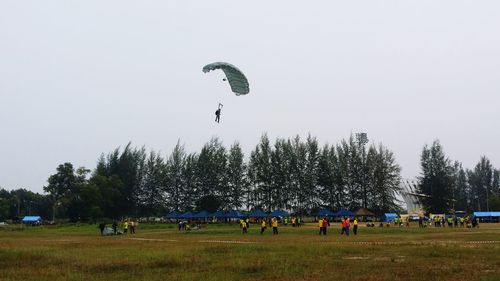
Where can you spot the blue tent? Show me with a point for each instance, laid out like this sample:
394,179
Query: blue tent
325,213
344,213
173,215
202,215
32,219
280,213
486,214
388,217
219,214
258,214
187,215
234,214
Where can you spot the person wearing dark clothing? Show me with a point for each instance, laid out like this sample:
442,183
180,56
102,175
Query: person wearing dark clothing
217,113
102,226
326,224
114,226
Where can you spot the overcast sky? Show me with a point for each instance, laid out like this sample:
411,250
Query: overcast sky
79,78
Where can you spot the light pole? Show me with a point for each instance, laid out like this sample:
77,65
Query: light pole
362,139
487,199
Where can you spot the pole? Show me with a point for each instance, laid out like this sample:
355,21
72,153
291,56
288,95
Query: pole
362,139
487,199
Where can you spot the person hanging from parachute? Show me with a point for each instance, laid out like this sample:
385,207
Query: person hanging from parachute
236,78
217,112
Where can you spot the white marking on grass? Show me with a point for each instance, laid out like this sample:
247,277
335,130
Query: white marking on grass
153,240
226,242
355,258
63,241
416,242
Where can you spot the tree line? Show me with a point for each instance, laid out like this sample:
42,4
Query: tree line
295,174
446,186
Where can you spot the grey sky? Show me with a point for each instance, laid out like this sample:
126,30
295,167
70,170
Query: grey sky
78,78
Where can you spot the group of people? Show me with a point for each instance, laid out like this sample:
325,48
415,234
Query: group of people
454,221
296,221
127,224
345,224
274,222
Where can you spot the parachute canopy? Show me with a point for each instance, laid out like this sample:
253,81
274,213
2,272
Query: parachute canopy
237,80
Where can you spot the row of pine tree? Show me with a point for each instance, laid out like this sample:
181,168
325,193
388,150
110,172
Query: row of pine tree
295,174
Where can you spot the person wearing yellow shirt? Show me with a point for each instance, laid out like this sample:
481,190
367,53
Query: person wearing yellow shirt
355,226
244,226
320,224
125,227
263,226
275,226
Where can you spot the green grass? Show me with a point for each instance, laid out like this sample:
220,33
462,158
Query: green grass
77,252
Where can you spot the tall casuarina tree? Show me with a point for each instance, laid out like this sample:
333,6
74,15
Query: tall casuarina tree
236,177
436,180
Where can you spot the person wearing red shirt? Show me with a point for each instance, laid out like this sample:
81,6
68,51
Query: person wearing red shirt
326,224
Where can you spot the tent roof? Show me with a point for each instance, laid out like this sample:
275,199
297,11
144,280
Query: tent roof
258,214
325,213
487,214
390,215
234,214
202,215
173,215
186,215
32,218
280,213
364,212
344,213
219,214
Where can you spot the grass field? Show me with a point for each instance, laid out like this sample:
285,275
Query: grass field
221,252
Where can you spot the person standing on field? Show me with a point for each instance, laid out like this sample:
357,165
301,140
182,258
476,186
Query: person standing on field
355,226
320,224
133,224
244,226
102,226
275,226
125,227
114,226
263,226
326,224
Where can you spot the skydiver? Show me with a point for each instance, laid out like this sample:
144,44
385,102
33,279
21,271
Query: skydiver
217,113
